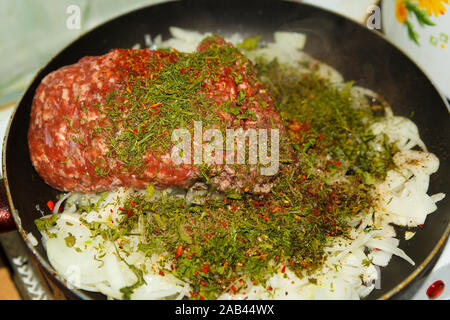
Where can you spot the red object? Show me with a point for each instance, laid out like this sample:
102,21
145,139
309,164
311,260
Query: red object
50,205
205,268
435,289
179,251
6,220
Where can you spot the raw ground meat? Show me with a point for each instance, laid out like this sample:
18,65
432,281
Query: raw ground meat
69,152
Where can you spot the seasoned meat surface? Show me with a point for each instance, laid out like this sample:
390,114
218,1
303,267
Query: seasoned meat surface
107,121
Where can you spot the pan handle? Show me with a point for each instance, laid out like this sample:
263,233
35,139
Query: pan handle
6,220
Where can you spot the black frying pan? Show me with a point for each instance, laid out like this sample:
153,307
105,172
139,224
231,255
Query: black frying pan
358,53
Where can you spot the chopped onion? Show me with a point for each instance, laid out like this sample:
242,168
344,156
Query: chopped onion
59,202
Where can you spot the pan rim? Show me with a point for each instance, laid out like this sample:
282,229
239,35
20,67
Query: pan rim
49,269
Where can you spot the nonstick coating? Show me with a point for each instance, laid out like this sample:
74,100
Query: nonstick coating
358,53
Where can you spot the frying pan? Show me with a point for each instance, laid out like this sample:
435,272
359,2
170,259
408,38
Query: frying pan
359,54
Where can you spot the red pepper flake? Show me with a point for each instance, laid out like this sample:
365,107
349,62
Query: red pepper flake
161,273
50,205
276,209
203,283
234,289
283,270
156,105
132,203
205,268
125,210
179,251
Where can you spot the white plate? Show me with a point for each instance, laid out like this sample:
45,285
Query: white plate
432,53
